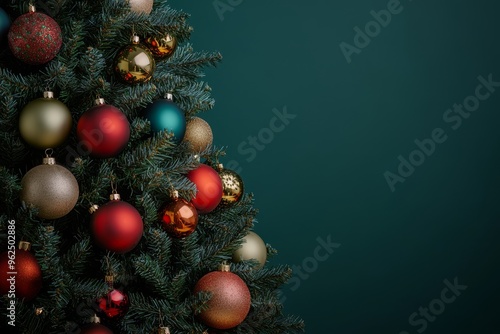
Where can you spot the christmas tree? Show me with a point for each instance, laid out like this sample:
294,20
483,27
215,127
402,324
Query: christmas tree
114,205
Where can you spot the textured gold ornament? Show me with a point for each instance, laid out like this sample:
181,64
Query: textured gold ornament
232,186
51,188
253,247
141,6
162,47
135,63
45,122
198,134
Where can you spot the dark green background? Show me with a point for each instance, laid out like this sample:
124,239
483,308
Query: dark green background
323,175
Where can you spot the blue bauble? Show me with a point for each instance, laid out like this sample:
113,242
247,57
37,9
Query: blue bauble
4,24
166,115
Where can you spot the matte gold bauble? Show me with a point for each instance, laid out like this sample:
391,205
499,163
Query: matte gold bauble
252,247
163,47
141,6
198,134
45,122
51,188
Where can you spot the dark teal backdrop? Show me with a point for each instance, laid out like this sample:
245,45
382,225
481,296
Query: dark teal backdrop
320,179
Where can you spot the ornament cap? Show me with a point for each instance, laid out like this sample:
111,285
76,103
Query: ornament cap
95,319
38,311
225,267
24,245
136,39
31,8
175,194
48,94
93,208
163,330
220,166
169,96
115,197
49,161
99,101
109,279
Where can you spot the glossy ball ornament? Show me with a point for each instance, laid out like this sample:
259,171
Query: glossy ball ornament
179,218
96,329
252,248
28,280
117,226
165,115
135,63
4,24
103,130
232,186
230,302
45,122
198,134
51,188
209,188
141,6
163,47
35,38
114,305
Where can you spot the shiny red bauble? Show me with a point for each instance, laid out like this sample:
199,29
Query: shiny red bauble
117,226
23,275
103,131
209,188
114,305
96,329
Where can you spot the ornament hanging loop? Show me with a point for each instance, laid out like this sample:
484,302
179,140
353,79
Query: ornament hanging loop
49,152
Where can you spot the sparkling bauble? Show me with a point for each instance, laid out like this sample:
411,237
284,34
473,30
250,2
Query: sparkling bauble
232,186
45,122
50,188
179,218
96,329
103,130
163,47
114,305
117,226
28,278
35,38
141,6
252,248
230,302
135,63
4,24
209,188
165,115
198,134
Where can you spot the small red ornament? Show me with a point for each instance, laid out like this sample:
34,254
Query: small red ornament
230,302
20,272
103,130
179,218
209,188
35,38
117,225
114,305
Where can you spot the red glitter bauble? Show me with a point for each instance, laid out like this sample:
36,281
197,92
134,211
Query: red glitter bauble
35,38
24,272
96,329
103,130
114,305
230,301
117,226
209,188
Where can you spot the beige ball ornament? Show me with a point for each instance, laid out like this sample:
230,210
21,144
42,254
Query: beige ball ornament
141,6
253,247
198,134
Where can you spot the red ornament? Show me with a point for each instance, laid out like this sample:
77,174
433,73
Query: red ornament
179,218
22,275
35,38
209,186
230,302
103,130
114,305
117,226
96,329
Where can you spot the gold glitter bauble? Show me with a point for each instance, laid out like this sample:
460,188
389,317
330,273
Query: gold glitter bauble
51,188
252,247
162,47
232,187
198,134
141,6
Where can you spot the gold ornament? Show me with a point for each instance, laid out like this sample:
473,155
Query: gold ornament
141,6
252,247
38,311
51,188
198,134
163,330
232,186
45,122
135,63
162,47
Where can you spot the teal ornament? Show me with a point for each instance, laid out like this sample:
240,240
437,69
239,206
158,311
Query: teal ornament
165,115
4,24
